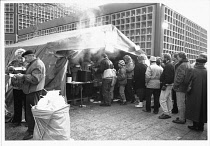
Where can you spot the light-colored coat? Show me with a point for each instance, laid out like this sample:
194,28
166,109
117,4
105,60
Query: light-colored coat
152,76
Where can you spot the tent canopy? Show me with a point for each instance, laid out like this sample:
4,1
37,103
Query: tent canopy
55,49
94,37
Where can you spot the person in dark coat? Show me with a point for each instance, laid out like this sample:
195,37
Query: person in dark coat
106,69
166,80
139,78
196,102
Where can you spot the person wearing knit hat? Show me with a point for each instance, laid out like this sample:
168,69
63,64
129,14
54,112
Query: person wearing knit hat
129,65
17,66
122,81
139,79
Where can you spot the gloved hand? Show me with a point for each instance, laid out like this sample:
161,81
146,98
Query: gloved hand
163,88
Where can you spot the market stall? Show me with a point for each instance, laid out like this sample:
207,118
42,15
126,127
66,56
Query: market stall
59,50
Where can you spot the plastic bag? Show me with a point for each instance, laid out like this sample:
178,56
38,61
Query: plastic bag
51,125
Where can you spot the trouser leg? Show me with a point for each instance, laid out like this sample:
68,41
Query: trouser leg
169,97
106,91
129,90
122,93
163,101
141,94
148,99
181,104
18,99
166,100
156,93
31,100
174,98
112,92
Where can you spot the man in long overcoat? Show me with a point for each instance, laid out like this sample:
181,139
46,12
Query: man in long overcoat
196,103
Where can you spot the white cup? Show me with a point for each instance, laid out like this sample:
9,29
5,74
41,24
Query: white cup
69,79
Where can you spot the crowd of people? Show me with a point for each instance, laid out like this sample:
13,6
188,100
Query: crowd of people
175,85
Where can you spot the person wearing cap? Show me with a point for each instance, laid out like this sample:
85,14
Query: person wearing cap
196,99
139,78
34,81
16,81
106,69
166,79
122,80
129,91
201,55
180,86
152,82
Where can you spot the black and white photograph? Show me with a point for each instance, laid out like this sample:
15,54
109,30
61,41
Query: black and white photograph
104,72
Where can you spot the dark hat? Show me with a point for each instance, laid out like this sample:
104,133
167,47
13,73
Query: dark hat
28,52
201,60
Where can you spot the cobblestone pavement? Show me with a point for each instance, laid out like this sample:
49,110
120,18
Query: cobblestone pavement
118,122
125,122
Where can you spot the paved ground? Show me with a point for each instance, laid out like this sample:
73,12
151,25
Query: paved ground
118,122
126,122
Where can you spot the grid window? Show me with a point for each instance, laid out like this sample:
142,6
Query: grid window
9,7
9,42
9,23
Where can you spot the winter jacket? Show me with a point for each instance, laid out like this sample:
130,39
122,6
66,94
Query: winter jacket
152,76
130,69
167,77
121,76
34,77
139,75
180,76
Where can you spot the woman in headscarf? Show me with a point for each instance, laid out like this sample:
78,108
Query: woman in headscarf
17,66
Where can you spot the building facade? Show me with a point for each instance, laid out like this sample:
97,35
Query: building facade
19,16
155,27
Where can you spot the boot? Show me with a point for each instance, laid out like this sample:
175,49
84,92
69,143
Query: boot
196,126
